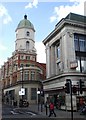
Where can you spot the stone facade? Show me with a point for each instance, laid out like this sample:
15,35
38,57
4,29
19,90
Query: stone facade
63,60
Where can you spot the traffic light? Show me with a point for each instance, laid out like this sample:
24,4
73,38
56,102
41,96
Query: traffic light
81,84
67,86
42,93
74,89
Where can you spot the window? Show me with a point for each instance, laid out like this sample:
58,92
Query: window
28,33
32,75
80,51
76,44
21,57
32,65
80,42
33,94
38,75
27,65
27,45
81,64
26,75
58,50
58,68
27,57
21,65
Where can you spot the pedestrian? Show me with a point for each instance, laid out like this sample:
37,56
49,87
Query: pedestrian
51,109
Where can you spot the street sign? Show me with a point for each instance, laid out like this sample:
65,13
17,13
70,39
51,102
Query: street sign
22,91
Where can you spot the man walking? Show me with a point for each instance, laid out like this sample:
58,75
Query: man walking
51,109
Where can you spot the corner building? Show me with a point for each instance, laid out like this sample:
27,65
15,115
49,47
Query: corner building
66,59
22,69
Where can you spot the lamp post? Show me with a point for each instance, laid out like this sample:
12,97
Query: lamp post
38,93
22,88
22,83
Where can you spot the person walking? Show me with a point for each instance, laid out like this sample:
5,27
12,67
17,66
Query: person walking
51,109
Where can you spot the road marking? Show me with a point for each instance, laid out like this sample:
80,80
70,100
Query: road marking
31,113
12,112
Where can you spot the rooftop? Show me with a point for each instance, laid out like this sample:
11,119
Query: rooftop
25,23
71,19
74,17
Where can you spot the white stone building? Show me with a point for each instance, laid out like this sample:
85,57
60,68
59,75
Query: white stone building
66,59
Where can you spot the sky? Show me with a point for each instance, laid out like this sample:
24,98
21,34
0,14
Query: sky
43,14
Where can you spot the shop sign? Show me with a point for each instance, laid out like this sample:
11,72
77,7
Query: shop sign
22,91
73,64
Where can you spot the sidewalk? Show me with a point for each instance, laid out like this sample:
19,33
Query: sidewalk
59,113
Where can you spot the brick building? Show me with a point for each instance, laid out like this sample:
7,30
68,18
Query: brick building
22,75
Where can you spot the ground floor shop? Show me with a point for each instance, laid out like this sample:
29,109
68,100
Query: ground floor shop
15,94
55,90
63,101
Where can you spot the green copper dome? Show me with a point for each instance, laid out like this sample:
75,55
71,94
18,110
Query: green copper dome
25,23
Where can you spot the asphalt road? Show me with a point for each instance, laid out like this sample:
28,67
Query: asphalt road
10,113
42,119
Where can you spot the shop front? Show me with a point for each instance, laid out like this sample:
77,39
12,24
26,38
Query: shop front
57,97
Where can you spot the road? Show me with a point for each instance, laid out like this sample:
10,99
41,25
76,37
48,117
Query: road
10,112
32,113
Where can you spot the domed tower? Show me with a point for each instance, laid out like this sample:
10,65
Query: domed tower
25,36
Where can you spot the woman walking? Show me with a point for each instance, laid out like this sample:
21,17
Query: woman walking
51,109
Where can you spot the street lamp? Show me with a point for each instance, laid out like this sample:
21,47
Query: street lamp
22,92
22,82
22,77
38,93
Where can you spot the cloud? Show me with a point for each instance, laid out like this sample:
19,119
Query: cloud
77,0
35,3
32,4
63,10
28,6
2,47
2,50
4,15
52,18
40,52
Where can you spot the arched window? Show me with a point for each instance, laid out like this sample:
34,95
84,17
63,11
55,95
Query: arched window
27,45
26,75
32,75
28,33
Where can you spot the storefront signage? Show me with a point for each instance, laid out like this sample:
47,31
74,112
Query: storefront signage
73,64
22,91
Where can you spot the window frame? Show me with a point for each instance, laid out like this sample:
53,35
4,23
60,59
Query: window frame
80,51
